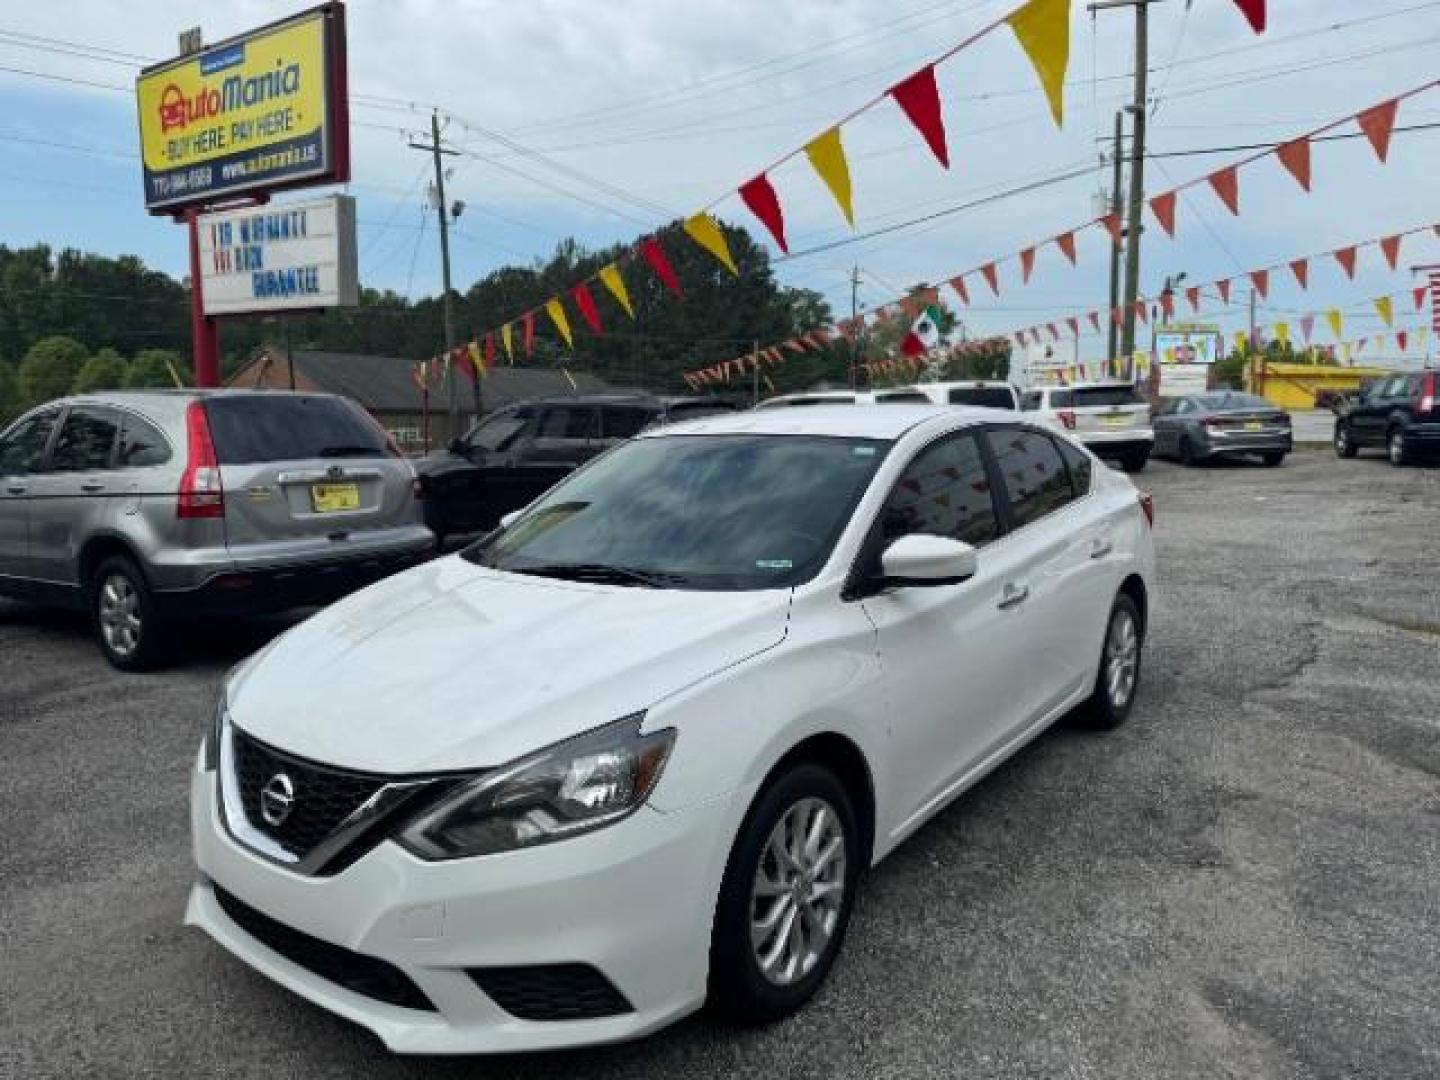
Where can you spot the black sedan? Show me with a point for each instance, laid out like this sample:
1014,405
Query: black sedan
1223,423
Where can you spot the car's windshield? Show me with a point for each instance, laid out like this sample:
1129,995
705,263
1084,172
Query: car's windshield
1231,402
728,512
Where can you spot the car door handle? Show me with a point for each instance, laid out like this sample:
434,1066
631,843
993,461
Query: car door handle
1100,548
1013,595
92,485
15,489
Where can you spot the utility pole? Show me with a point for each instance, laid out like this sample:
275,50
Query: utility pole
1134,224
1116,194
437,151
854,324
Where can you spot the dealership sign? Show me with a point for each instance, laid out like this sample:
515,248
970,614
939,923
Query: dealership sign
280,257
261,111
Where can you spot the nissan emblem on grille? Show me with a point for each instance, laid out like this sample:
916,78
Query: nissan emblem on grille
277,798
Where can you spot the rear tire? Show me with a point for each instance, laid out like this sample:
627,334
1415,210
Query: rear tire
131,633
758,973
1188,457
1118,677
1395,448
1272,460
1135,461
1344,442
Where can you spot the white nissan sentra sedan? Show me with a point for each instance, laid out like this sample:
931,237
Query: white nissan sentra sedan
633,751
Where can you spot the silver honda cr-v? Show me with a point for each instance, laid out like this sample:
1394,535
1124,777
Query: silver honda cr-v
148,508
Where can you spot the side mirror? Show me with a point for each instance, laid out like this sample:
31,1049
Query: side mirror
509,519
456,445
921,560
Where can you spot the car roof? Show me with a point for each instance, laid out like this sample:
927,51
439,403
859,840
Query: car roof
964,384
841,421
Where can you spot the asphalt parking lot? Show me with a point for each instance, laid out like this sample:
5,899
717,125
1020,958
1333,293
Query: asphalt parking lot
1242,882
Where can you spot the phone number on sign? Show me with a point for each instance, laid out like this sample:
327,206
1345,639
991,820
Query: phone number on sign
196,179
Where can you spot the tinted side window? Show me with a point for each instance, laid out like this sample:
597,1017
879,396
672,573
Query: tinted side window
623,421
1081,467
1033,472
986,397
22,449
569,422
1103,396
141,444
945,491
1062,399
1032,401
85,440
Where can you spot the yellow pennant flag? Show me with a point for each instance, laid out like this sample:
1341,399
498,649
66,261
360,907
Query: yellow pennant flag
1169,356
556,311
474,350
610,276
1043,30
506,340
1420,338
1282,333
827,155
1242,340
705,231
1337,324
1345,351
1386,308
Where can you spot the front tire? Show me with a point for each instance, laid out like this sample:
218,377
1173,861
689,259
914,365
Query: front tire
1188,457
131,634
786,898
1344,442
1135,461
1395,448
1272,460
1118,678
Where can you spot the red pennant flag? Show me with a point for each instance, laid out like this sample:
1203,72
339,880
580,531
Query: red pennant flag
1054,332
1261,280
1163,207
1307,327
1141,311
1301,269
992,278
760,197
1027,264
1223,288
794,346
1020,338
1295,156
1118,316
1391,248
528,321
919,99
1074,324
1095,320
654,254
1378,123
1167,305
1422,292
1066,243
1346,258
958,284
1254,11
1192,294
1226,183
1114,228
1402,338
461,359
586,303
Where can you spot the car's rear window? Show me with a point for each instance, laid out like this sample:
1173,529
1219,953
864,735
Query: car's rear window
252,428
902,395
986,397
1100,396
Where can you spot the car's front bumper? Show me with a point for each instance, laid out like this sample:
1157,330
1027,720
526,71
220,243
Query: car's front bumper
633,901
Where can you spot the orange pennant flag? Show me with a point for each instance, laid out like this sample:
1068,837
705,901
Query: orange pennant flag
1114,228
1066,243
1226,183
1260,279
1027,264
1378,123
827,156
1346,258
1295,156
1390,246
992,277
1301,269
1163,207
958,284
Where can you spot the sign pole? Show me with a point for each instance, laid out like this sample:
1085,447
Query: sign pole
204,332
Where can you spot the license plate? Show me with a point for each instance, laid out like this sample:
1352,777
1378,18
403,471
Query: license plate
1253,425
328,498
1115,421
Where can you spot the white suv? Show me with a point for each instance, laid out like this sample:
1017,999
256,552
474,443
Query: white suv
1110,418
635,750
979,393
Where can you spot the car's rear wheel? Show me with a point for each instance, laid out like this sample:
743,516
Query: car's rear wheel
786,898
1344,444
130,631
1272,459
1134,461
1395,448
1119,676
1188,457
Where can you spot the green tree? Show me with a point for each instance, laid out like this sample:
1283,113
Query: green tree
49,369
151,368
9,393
103,371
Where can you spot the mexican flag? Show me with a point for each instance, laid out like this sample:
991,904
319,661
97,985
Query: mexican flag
924,335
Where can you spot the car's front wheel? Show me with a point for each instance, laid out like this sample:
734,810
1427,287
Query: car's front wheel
129,629
785,901
1395,447
1188,457
1134,461
1344,444
1273,458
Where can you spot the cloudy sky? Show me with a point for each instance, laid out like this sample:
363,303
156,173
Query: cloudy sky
614,116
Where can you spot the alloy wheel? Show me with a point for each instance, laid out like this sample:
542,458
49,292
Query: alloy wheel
1397,448
1122,656
119,615
799,891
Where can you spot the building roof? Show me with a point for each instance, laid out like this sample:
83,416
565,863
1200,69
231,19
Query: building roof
385,383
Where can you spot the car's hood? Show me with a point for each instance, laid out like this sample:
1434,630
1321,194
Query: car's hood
453,666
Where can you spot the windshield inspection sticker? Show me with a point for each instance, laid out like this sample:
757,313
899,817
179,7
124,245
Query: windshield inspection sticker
863,451
774,564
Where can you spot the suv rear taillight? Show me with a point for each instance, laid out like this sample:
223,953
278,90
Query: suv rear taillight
1427,393
1066,418
1147,504
201,494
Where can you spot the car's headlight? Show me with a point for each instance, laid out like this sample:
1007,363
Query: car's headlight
572,787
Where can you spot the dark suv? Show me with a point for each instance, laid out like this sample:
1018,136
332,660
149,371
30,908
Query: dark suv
517,453
1399,412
